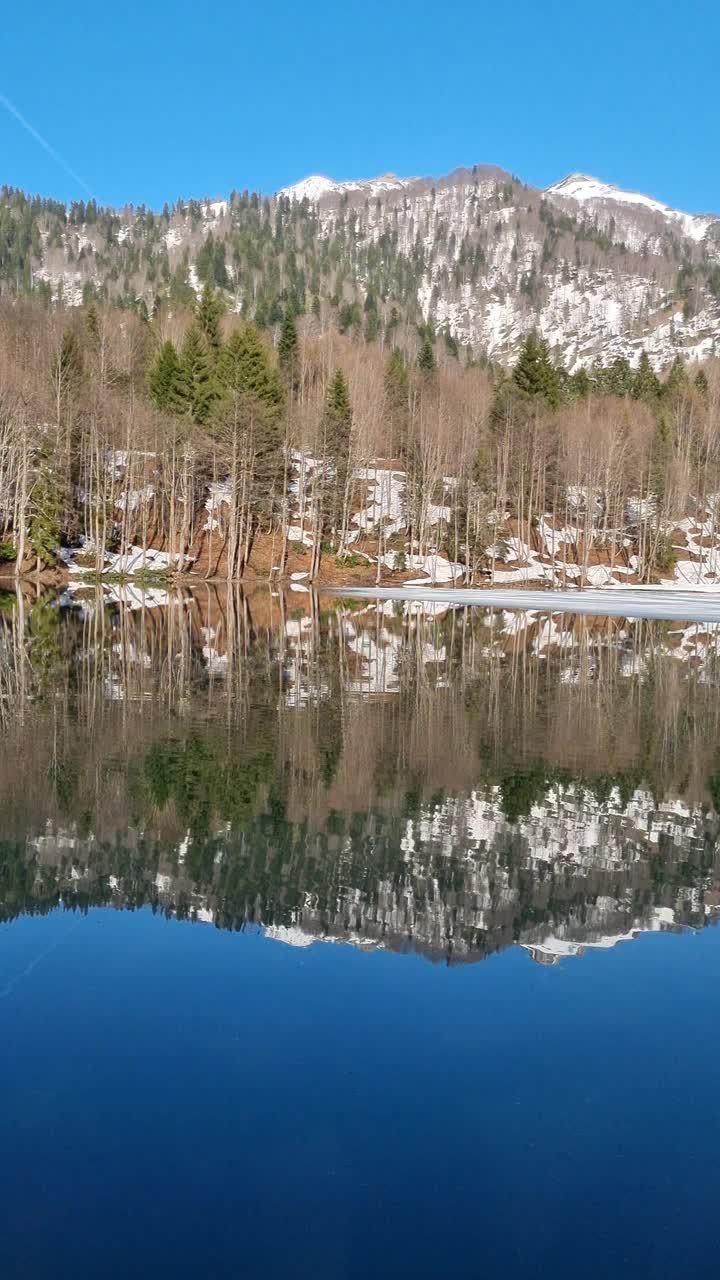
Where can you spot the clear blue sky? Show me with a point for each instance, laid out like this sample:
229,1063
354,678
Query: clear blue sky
148,100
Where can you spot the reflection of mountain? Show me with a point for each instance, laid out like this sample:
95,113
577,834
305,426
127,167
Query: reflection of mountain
438,784
456,880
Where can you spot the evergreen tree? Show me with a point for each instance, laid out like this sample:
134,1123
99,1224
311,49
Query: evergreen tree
45,508
392,323
535,374
167,381
580,385
68,364
210,263
337,426
288,343
396,401
246,368
338,413
646,385
677,380
180,290
619,378
253,396
661,457
201,388
92,326
372,319
426,356
701,382
207,317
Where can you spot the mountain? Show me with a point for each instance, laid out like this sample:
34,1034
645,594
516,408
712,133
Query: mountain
481,256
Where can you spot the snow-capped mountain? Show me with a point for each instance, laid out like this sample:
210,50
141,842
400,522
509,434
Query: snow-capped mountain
600,271
316,187
591,192
599,277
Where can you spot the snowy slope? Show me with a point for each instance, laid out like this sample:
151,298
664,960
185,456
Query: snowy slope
316,187
586,190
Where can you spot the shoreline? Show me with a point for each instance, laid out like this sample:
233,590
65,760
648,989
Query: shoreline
669,603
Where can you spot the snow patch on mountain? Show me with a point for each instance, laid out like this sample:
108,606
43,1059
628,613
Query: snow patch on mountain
312,188
585,189
316,187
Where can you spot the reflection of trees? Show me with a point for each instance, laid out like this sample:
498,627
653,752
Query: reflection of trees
236,759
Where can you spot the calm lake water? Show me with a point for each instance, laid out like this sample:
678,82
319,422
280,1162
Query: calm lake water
351,939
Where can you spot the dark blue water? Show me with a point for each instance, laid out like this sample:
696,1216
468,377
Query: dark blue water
493,841
178,1100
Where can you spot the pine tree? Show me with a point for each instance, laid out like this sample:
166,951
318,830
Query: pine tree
396,401
46,507
337,426
661,457
201,387
426,356
167,381
207,317
645,385
392,323
580,385
246,368
535,374
619,378
68,364
701,382
288,344
92,326
250,411
372,319
677,380
338,412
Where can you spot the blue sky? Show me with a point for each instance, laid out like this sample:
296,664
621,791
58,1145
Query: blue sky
150,100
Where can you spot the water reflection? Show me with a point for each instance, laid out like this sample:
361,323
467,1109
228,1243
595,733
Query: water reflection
406,777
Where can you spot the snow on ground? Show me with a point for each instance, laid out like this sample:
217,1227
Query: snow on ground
385,500
437,568
133,499
296,533
219,494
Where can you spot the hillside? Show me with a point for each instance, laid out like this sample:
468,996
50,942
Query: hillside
478,255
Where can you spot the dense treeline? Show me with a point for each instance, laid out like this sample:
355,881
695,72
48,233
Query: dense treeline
115,428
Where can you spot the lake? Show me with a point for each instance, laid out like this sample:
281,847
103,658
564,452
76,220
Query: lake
356,938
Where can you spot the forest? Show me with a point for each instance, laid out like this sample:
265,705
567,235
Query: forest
235,448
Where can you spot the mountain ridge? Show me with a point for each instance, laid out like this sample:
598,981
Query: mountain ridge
477,255
576,185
